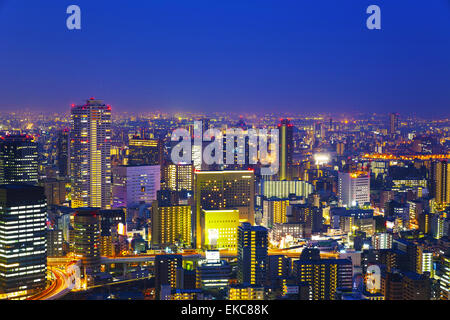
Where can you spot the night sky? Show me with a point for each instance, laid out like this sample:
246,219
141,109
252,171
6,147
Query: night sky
227,55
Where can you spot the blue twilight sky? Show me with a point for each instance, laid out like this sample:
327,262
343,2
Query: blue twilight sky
219,55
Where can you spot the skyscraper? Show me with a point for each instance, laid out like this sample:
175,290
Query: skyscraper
393,123
166,271
178,177
252,254
63,152
18,160
441,182
216,190
86,242
90,155
23,254
354,188
286,148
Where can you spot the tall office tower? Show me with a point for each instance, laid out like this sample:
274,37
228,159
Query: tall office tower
86,242
90,155
178,177
133,185
145,152
217,190
62,147
393,123
18,160
286,151
166,271
171,224
274,211
354,188
441,182
23,246
55,243
252,254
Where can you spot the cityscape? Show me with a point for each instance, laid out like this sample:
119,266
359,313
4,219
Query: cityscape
218,160
94,208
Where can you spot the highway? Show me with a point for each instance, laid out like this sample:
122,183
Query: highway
58,288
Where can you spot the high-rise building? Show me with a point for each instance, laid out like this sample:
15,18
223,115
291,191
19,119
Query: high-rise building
90,155
18,160
286,151
354,188
274,211
171,224
323,276
63,152
393,123
217,190
441,182
86,242
145,152
166,271
55,243
23,242
178,177
133,185
252,251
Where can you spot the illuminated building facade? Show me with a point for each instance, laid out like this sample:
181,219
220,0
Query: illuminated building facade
217,190
274,211
23,242
245,292
354,188
145,152
133,185
283,189
166,271
55,243
171,224
86,242
213,272
178,177
220,229
441,182
252,254
90,155
18,160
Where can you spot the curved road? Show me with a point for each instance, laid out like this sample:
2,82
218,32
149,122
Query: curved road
60,287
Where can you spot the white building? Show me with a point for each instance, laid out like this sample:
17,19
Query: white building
135,184
354,188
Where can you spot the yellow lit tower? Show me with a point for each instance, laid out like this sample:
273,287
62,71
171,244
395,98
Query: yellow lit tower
90,155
